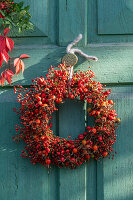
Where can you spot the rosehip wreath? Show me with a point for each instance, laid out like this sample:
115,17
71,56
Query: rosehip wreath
37,106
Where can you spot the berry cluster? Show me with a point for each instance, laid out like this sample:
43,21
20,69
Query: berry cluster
39,102
6,6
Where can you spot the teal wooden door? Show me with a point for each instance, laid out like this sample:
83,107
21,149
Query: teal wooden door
103,24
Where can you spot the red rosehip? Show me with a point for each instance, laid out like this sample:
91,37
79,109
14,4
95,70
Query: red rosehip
97,112
100,138
94,130
43,137
89,100
62,159
88,127
42,95
87,156
68,145
85,133
85,90
105,153
83,142
40,102
39,152
110,102
48,161
81,136
38,121
95,147
75,150
72,160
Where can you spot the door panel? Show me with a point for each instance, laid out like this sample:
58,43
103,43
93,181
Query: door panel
115,17
110,21
117,174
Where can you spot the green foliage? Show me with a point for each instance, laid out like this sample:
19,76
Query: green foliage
15,15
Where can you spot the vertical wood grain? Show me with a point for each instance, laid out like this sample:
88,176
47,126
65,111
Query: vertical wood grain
91,170
72,20
72,122
19,178
100,11
115,177
115,17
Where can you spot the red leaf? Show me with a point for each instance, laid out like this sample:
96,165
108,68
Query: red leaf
22,66
18,68
9,43
16,61
6,31
9,72
8,78
3,44
1,60
5,55
2,80
24,56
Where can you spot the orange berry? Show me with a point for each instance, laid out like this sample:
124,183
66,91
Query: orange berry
84,151
89,100
45,105
38,121
36,95
48,161
105,153
110,102
97,112
88,146
75,150
95,147
93,112
118,120
83,142
53,97
94,130
88,110
85,90
40,102
104,103
68,145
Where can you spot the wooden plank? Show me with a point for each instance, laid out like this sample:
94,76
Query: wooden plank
72,20
91,170
93,36
115,17
19,179
114,66
118,173
72,122
91,180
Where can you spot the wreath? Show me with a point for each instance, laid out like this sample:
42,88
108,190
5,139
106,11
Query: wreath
40,101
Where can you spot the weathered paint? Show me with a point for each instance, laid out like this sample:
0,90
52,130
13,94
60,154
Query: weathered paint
98,12
72,20
118,20
114,66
